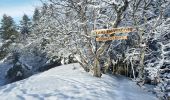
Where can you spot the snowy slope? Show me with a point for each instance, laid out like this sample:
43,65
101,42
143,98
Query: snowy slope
67,83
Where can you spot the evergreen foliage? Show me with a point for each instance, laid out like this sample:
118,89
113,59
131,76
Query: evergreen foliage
8,28
25,26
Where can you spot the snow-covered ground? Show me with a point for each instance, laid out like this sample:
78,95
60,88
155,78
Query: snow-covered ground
70,82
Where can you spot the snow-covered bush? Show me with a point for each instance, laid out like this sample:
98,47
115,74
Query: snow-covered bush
16,72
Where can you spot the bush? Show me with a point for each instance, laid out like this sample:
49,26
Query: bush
15,73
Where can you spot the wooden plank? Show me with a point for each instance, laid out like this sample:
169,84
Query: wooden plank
114,30
111,38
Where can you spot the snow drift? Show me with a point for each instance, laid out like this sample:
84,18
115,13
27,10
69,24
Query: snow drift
71,82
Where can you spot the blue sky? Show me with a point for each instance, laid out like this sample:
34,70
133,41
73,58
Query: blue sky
16,8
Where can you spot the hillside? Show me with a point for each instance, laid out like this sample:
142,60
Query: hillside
70,82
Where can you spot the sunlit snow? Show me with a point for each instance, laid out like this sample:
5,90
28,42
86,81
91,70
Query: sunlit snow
71,82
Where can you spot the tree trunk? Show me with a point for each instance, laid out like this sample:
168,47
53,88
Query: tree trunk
96,68
141,66
107,64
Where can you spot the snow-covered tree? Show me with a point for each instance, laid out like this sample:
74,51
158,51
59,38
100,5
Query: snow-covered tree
36,15
25,27
8,28
68,26
8,34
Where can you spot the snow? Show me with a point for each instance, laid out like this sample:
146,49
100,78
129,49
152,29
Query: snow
71,82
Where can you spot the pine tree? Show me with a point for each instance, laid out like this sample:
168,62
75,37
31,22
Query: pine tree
8,34
35,21
44,9
25,26
36,15
8,28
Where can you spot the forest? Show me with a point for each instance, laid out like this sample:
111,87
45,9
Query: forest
62,32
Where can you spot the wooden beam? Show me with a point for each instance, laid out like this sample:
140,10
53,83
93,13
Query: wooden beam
114,30
111,38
